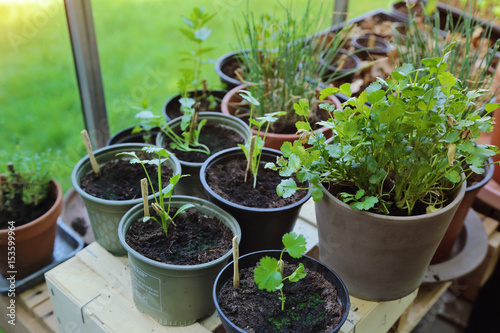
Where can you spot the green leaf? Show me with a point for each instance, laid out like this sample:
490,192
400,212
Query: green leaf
298,274
453,176
365,203
266,275
202,34
301,108
286,188
346,89
134,158
246,95
294,244
492,107
316,193
329,91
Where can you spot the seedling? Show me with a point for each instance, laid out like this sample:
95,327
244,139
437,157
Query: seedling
189,138
269,274
148,121
159,204
253,149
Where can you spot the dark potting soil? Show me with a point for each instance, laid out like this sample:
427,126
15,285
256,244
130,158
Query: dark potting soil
419,208
349,62
215,137
230,67
120,180
21,213
310,306
227,180
194,239
173,108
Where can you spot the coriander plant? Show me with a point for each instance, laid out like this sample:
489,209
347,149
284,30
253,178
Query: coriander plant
410,146
159,204
148,121
269,274
253,149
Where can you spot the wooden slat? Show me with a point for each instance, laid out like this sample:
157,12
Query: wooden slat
34,296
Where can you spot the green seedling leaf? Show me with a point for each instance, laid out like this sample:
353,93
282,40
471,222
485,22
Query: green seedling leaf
134,158
265,275
329,91
246,95
298,274
294,244
286,188
301,108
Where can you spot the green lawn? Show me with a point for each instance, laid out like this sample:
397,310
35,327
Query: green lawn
39,99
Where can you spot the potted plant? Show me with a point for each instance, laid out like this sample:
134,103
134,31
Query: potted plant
175,253
30,203
111,193
145,132
280,291
281,65
235,180
391,180
196,136
191,84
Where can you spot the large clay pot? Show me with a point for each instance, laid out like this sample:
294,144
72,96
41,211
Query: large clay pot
31,245
379,257
273,140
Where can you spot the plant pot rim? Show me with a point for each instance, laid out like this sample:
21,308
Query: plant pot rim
238,151
137,209
201,115
398,219
222,60
56,206
118,147
178,96
376,50
351,55
286,137
123,131
346,307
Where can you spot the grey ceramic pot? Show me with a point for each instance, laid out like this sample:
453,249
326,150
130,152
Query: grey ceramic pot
379,257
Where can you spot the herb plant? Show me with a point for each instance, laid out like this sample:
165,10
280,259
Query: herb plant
159,204
196,32
148,121
27,176
410,146
253,149
279,59
269,274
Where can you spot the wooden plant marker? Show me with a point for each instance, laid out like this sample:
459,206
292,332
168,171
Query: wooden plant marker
88,146
342,61
236,254
371,41
144,191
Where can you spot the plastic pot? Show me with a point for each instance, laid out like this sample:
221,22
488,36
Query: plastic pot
262,228
105,215
174,294
273,140
126,136
380,257
351,65
33,241
252,259
380,47
171,108
231,57
191,185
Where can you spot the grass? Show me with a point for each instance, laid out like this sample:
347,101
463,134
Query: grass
39,95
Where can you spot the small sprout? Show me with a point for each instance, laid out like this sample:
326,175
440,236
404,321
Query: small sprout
159,204
269,274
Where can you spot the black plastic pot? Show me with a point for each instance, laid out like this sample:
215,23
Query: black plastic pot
225,78
262,228
126,136
381,46
172,105
344,73
251,259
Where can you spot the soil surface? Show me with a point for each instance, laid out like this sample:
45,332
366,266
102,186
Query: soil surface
20,213
311,304
215,137
173,108
227,180
194,239
120,180
230,67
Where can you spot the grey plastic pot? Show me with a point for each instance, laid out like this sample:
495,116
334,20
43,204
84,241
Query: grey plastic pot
379,257
262,228
251,259
175,294
191,185
105,215
126,136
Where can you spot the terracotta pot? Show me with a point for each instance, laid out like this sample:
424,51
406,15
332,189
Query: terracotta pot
273,140
379,257
251,259
34,241
450,237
